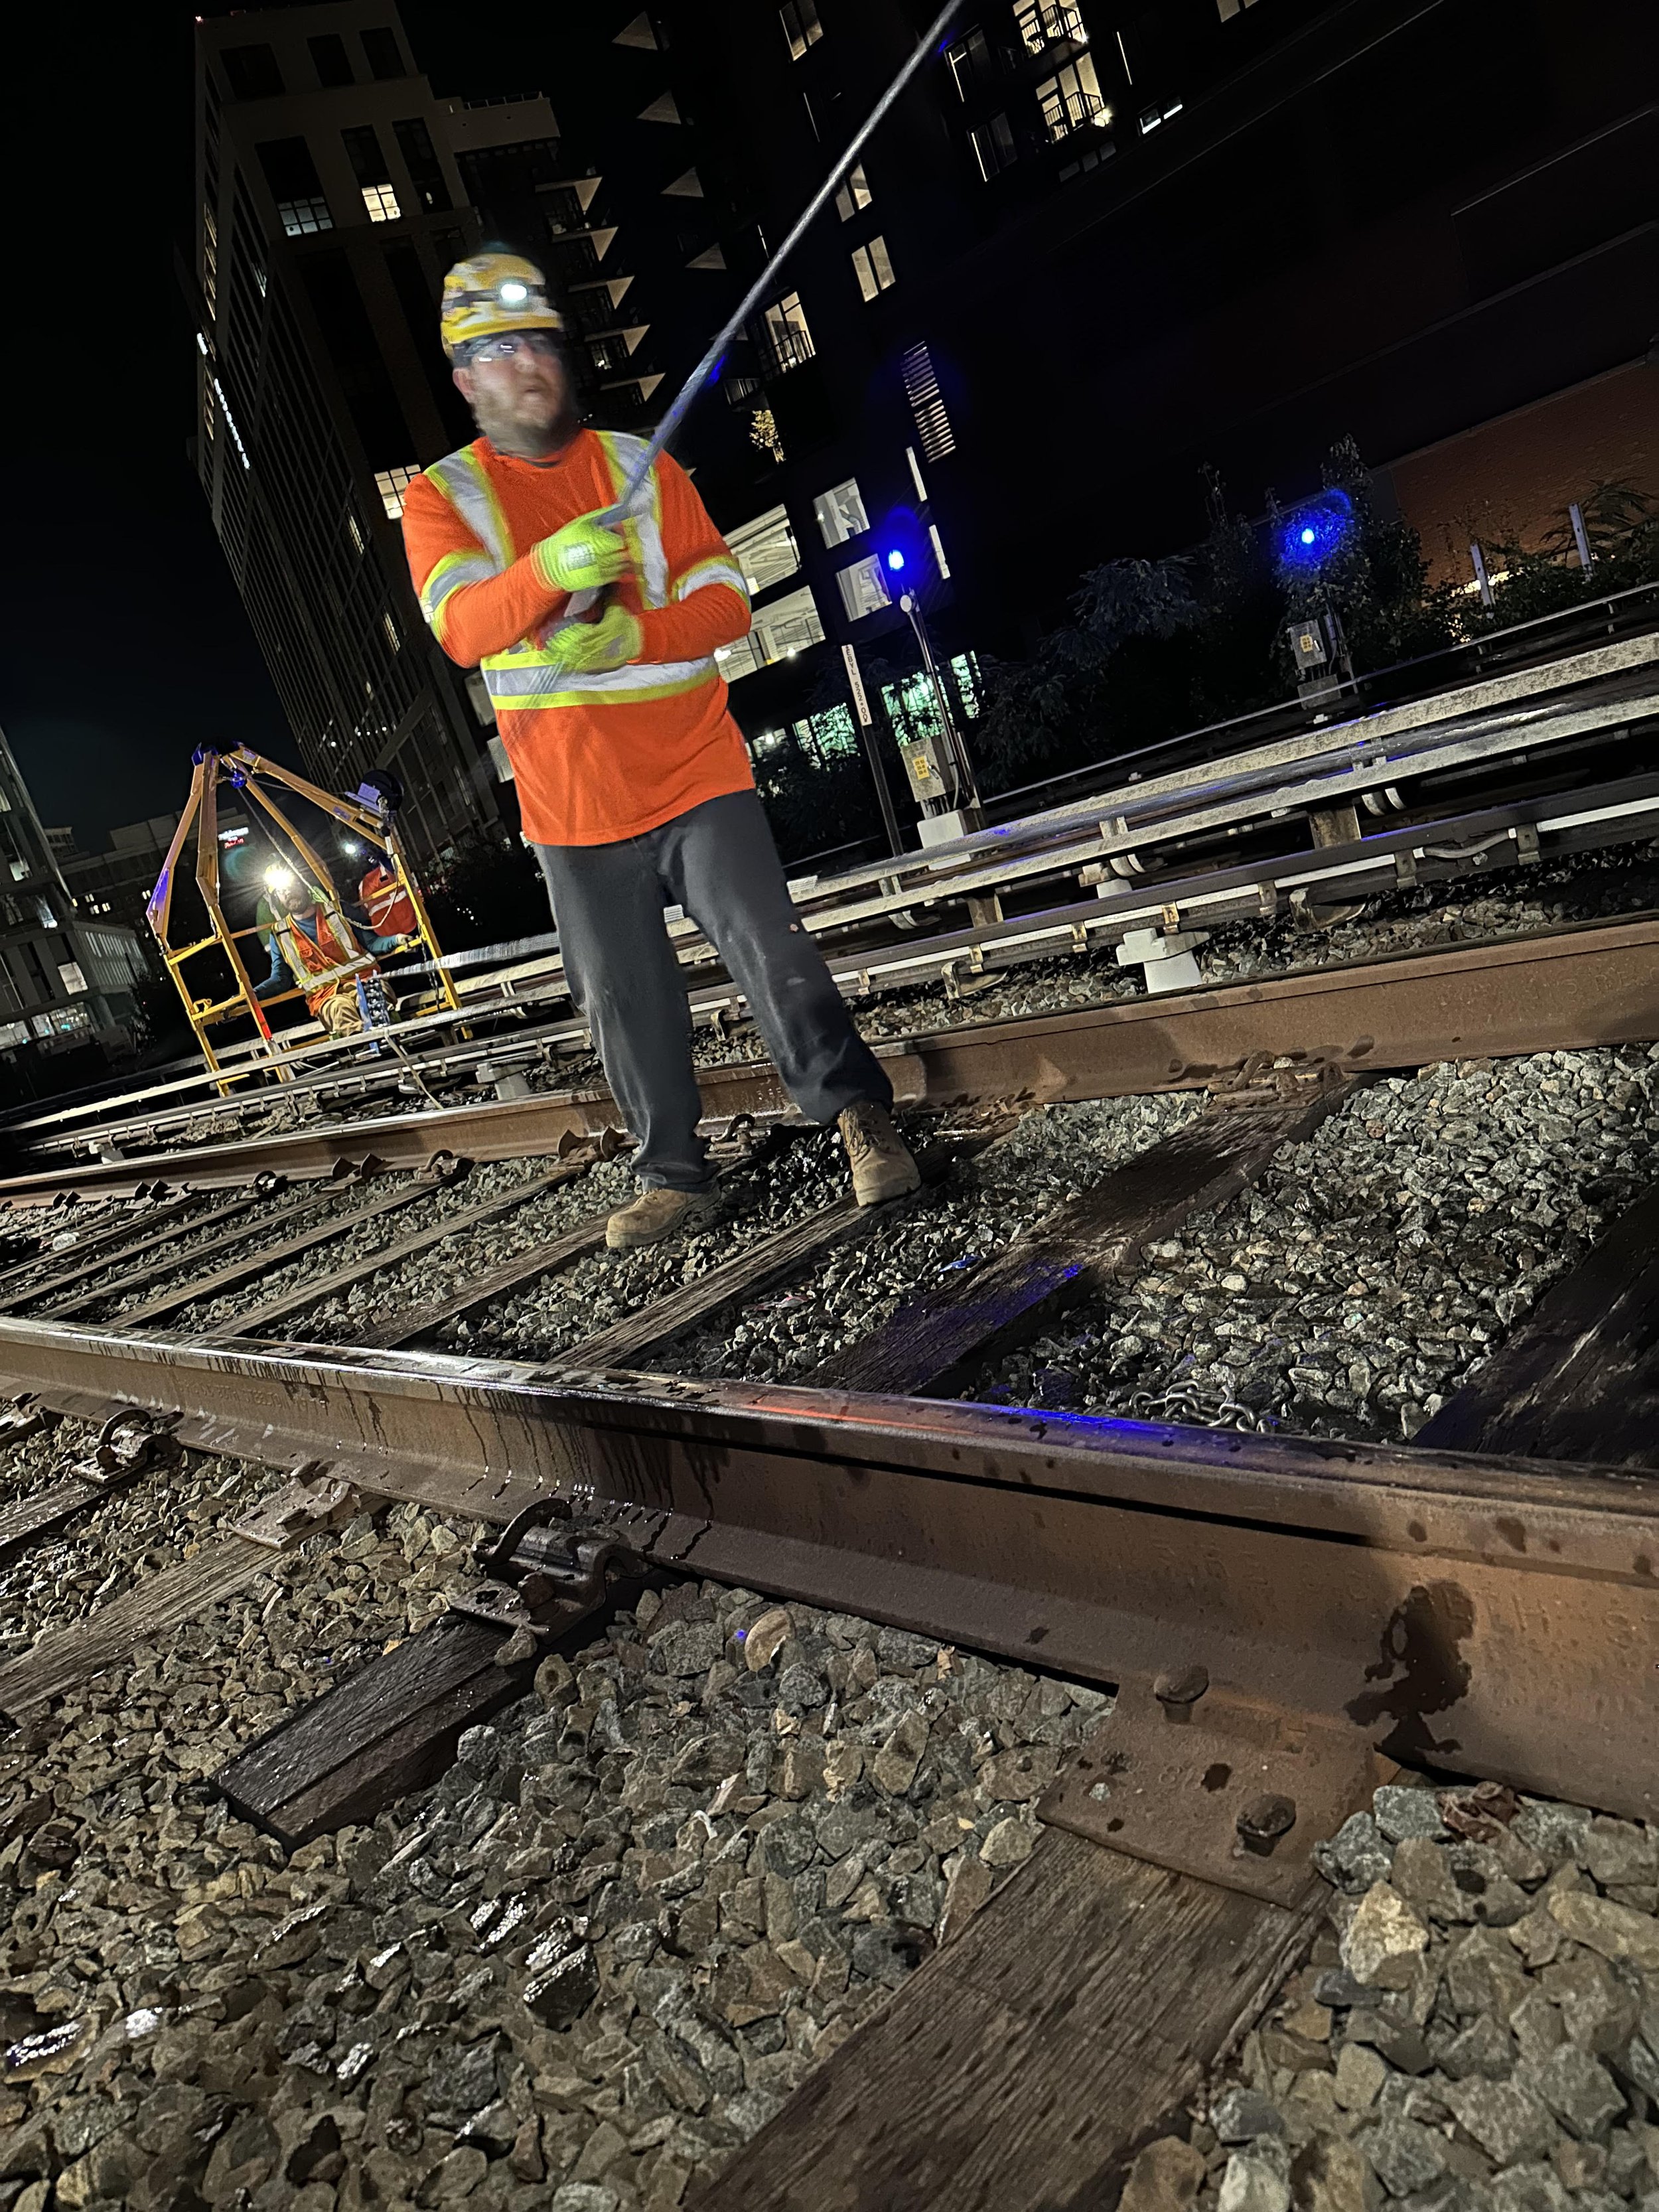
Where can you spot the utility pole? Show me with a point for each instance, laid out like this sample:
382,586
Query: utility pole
871,750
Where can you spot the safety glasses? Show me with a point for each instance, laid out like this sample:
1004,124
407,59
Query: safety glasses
514,342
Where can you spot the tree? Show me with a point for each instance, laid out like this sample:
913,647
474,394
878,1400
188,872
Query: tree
1621,523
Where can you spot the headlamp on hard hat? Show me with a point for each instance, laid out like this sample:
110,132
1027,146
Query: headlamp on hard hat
490,296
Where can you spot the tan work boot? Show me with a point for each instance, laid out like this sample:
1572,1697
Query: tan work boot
655,1214
879,1157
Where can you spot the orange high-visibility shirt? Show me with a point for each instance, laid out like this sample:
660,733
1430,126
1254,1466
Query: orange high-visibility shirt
603,757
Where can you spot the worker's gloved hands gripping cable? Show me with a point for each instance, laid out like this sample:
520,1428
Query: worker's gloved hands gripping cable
582,559
581,556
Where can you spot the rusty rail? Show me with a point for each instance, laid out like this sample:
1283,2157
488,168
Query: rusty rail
1497,1616
1597,984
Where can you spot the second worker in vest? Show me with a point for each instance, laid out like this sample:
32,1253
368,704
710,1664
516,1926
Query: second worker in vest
633,779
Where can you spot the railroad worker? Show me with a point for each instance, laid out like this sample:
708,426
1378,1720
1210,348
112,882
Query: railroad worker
309,939
390,909
633,779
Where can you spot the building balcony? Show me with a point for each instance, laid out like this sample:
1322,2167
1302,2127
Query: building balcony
472,126
1045,24
1067,112
787,349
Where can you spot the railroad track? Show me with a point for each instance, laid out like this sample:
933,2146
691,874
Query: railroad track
1218,841
1590,985
1278,1618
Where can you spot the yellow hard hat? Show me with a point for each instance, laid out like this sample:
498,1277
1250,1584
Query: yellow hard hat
491,294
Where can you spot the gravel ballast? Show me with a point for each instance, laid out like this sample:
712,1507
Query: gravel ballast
578,1972
1373,1268
1478,2029
355,1242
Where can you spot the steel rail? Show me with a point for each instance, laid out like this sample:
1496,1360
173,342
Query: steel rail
1597,984
1485,840
1497,1616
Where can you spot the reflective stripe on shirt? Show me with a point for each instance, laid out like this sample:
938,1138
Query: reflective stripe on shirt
530,682
449,575
525,676
644,518
712,572
465,482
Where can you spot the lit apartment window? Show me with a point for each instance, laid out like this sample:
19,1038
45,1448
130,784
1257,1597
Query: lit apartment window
392,484
872,267
863,588
71,976
927,404
391,636
369,162
355,529
1041,22
294,185
765,549
916,472
854,194
299,218
787,627
970,63
1227,9
801,28
230,423
787,333
1153,116
840,512
1071,99
994,146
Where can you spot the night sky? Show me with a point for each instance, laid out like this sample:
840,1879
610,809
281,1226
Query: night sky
124,642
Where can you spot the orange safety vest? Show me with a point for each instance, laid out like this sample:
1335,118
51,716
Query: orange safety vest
602,754
389,905
334,947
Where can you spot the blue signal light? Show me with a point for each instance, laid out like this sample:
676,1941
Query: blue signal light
895,560
1317,531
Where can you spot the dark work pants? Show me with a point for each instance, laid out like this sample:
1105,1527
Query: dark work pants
718,861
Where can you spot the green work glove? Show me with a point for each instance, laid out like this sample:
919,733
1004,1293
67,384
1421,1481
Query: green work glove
582,648
584,553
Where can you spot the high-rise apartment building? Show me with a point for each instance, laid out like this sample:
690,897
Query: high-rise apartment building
1097,247
333,190
67,977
